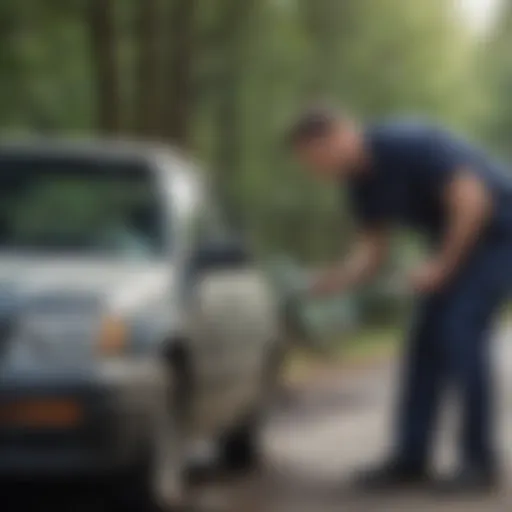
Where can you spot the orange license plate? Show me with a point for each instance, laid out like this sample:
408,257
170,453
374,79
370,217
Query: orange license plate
41,413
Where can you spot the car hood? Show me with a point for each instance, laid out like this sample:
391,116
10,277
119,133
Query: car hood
41,282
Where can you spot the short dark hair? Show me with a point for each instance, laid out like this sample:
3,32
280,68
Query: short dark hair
312,123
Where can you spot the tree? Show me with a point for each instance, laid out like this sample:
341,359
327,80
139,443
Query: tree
222,78
496,67
148,80
101,19
179,84
234,30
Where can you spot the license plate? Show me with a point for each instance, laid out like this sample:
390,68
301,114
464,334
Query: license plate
41,413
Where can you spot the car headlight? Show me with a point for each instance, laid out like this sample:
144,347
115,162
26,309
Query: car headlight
112,337
53,334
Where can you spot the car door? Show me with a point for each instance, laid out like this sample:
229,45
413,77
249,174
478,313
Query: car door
234,324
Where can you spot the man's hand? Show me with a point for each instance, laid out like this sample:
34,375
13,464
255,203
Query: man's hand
429,278
468,205
363,261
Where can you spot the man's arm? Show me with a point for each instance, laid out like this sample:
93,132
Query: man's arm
469,206
361,264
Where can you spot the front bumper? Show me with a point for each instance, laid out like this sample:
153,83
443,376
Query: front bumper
118,403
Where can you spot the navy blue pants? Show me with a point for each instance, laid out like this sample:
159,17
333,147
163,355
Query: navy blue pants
449,348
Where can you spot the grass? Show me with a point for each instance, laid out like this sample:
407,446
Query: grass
356,349
368,342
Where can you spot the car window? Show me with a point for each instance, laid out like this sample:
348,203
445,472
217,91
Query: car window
87,207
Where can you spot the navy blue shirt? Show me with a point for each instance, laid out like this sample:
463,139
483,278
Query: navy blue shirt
410,165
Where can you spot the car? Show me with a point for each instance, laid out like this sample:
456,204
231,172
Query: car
133,319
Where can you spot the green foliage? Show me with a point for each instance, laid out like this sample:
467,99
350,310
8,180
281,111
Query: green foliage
248,66
495,66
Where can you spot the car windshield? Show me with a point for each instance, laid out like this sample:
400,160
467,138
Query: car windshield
84,206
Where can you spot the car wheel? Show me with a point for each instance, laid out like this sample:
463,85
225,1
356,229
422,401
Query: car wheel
157,483
240,448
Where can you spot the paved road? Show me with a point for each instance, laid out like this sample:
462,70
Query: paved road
327,428
338,424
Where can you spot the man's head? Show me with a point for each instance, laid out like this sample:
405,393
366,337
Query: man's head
329,143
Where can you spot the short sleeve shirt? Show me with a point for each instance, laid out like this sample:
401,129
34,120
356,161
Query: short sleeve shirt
411,163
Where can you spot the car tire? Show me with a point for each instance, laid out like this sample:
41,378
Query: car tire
240,448
157,482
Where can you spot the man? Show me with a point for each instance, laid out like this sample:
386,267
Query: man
414,174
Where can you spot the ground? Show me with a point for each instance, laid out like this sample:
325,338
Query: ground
334,424
329,424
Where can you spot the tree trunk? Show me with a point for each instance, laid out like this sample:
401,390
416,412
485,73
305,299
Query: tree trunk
148,102
179,92
324,21
104,59
229,122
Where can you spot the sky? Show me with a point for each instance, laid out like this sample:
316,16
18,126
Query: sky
480,14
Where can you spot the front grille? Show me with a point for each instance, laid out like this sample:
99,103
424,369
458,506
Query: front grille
62,303
6,331
9,307
9,297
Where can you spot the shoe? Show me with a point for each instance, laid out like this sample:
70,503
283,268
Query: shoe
470,480
391,475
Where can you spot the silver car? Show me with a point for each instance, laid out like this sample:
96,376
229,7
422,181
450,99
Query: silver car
132,321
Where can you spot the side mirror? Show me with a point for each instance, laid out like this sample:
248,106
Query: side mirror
224,254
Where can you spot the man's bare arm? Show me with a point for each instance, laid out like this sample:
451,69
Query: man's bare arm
469,207
362,262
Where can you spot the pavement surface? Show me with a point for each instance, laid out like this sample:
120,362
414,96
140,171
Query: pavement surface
325,429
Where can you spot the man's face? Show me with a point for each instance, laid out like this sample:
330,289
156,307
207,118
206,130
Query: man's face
328,156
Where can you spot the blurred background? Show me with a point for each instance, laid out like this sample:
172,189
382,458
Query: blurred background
221,79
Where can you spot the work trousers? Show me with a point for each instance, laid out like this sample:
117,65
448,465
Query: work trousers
449,348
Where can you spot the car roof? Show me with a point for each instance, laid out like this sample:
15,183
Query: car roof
116,149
